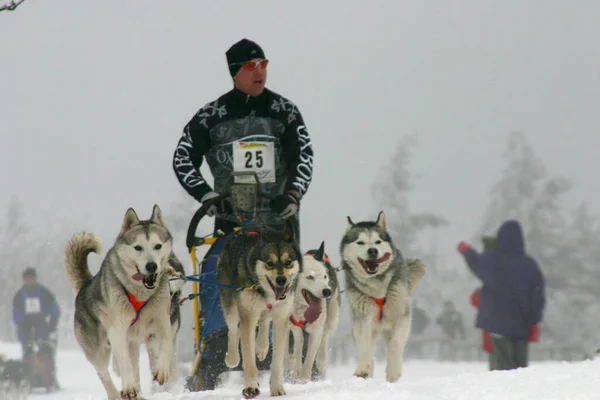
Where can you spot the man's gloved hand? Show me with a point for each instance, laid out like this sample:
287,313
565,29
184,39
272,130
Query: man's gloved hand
285,204
212,210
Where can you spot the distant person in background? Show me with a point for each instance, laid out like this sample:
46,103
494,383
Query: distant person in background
451,322
513,297
36,314
420,320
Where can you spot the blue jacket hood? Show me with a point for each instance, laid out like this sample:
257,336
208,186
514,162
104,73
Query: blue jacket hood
510,238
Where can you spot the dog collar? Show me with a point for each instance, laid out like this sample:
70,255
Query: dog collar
136,304
380,303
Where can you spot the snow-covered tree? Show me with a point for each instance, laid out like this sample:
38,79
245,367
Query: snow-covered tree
413,233
15,247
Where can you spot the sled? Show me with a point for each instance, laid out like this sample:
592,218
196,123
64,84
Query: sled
14,381
19,378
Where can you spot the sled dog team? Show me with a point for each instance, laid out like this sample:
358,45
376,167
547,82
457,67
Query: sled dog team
132,301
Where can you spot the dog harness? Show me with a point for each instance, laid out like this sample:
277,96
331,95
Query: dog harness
380,303
326,258
136,304
299,323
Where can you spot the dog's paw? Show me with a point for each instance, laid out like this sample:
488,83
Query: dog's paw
277,389
160,372
160,376
250,392
392,378
305,374
232,359
392,374
130,394
361,373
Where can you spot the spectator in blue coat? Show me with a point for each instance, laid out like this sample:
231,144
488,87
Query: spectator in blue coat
513,297
36,314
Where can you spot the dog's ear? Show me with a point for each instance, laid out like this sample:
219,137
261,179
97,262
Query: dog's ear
157,217
131,219
320,254
381,221
350,223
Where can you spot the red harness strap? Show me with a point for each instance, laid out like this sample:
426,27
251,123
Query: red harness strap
299,324
136,304
380,303
326,258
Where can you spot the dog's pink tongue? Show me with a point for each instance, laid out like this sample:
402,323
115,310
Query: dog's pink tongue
313,311
280,292
138,277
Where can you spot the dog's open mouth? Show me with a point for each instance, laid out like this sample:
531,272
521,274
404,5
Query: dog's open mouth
314,309
371,266
149,281
278,290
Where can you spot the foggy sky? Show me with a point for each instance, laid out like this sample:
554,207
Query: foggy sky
94,96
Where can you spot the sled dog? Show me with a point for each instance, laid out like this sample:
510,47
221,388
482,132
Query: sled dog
263,264
175,315
126,303
379,284
316,311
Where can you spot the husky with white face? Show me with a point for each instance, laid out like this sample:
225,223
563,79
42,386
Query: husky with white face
379,283
127,303
316,312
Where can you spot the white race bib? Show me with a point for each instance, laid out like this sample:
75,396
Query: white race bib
32,305
254,156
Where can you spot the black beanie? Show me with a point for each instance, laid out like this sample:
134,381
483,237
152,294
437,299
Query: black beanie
242,51
29,272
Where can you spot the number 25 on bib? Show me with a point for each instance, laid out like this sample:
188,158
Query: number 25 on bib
255,156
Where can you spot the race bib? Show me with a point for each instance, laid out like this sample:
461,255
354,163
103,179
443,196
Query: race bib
32,305
254,156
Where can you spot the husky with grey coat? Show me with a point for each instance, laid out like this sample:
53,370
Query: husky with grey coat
175,287
379,285
126,303
263,264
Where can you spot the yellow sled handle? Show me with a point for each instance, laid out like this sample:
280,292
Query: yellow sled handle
196,306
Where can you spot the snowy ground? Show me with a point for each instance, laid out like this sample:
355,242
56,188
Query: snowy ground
422,380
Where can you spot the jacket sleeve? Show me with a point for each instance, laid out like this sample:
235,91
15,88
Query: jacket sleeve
187,159
538,294
474,261
298,151
17,309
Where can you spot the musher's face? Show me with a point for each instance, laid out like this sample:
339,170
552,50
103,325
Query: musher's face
252,77
29,281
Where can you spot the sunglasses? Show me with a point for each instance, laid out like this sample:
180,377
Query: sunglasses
252,65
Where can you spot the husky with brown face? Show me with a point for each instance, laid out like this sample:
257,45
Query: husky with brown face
127,303
379,284
263,264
